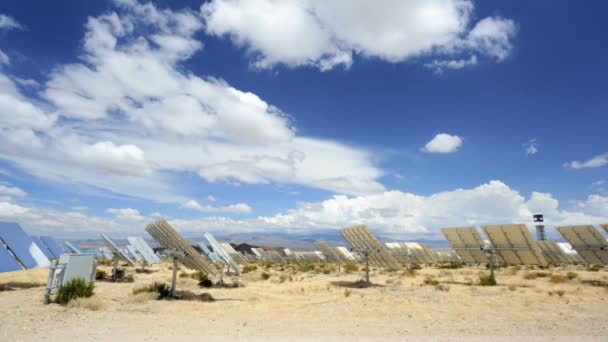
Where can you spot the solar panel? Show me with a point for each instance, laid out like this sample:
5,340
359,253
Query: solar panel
237,256
25,250
605,226
133,253
52,245
257,253
208,253
117,251
421,253
514,244
330,254
187,255
553,253
219,250
362,239
7,261
47,253
141,246
587,242
275,256
346,253
570,253
467,243
73,248
68,267
399,251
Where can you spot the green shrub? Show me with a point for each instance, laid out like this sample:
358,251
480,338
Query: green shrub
595,268
249,268
161,289
120,273
347,293
571,275
487,280
100,274
350,267
415,267
75,288
410,272
184,274
203,279
265,276
450,266
530,276
429,280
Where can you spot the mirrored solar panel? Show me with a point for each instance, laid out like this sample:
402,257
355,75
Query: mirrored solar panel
117,251
514,244
587,242
144,249
570,253
275,256
467,243
330,254
236,255
256,252
7,261
105,253
25,250
553,253
399,251
605,226
208,253
42,247
168,237
52,245
133,253
362,239
219,250
73,248
346,253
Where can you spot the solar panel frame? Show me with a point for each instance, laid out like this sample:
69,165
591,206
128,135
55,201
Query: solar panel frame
43,247
360,237
605,227
208,253
587,241
22,246
117,251
143,248
52,245
73,248
168,237
346,253
236,255
330,254
515,245
460,238
553,253
134,253
219,250
8,263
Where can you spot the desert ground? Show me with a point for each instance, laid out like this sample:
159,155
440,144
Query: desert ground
296,305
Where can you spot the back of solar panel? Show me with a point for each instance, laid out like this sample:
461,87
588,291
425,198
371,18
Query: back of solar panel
24,249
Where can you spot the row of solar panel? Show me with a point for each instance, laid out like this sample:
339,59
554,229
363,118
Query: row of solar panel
21,251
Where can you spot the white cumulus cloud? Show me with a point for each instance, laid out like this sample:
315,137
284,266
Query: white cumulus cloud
324,34
443,143
238,208
597,161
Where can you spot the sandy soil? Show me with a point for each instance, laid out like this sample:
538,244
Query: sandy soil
318,306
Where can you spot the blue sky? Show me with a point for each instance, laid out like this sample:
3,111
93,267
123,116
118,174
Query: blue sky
238,116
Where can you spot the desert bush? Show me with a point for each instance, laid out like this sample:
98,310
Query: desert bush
104,262
487,280
560,293
120,273
347,293
558,279
429,280
450,266
595,268
513,270
409,272
351,267
161,289
90,303
203,279
75,288
530,276
571,275
184,274
415,267
468,281
265,276
543,274
442,287
100,274
284,278
249,268
512,287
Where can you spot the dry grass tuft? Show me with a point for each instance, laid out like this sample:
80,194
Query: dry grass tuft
430,280
351,267
265,276
15,285
92,303
442,287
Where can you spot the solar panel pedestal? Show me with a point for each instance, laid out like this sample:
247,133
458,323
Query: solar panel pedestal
491,262
174,278
365,252
115,268
50,280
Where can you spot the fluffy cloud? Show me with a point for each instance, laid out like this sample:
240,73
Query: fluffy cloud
126,214
129,118
391,213
443,143
324,34
440,65
530,147
11,191
597,161
239,208
9,23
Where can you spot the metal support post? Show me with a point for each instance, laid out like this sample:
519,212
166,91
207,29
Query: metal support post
115,268
174,279
367,268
